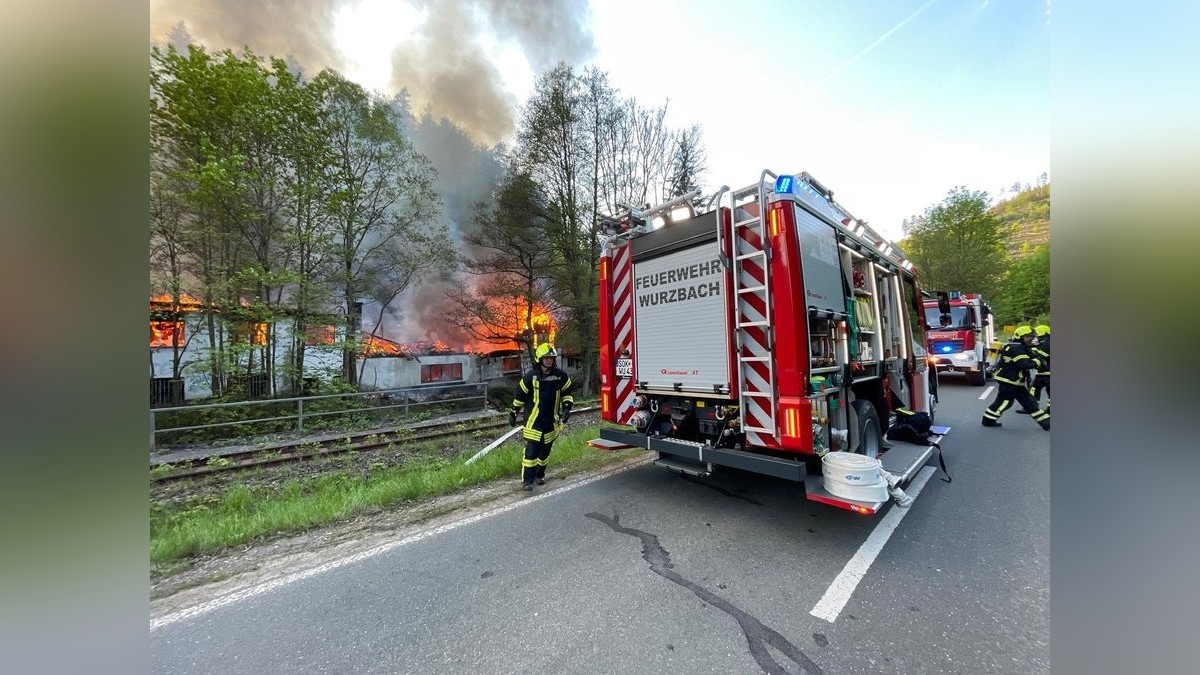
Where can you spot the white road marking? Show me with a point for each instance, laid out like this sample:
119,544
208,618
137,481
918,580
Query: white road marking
839,592
986,392
253,591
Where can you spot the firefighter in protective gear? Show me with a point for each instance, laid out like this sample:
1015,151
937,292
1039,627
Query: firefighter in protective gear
544,395
1041,351
1016,358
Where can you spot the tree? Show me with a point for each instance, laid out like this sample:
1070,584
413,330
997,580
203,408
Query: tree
199,128
512,258
688,162
383,198
554,150
1024,294
958,244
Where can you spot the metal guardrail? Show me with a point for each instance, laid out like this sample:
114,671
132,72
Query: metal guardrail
384,395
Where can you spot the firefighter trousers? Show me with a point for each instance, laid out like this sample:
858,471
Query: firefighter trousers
533,467
1005,396
1040,382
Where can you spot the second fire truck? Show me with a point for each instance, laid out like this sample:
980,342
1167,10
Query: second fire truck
759,329
961,335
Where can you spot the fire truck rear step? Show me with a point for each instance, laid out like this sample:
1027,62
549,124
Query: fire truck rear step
904,460
684,466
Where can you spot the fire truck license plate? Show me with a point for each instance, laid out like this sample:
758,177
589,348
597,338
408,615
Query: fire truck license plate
624,367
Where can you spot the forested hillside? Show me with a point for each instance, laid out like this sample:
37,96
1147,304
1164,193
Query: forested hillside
1026,220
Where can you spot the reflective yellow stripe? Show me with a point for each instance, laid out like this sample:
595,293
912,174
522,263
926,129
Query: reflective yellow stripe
1006,380
528,463
524,387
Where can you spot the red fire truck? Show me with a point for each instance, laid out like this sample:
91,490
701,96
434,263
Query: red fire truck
960,334
758,329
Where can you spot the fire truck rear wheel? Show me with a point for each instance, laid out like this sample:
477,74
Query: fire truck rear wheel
870,432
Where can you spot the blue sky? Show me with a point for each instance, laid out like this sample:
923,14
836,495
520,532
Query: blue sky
890,104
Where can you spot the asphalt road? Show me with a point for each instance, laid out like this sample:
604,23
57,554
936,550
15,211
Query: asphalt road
648,571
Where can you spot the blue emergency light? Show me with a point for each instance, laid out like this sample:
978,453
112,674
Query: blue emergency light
784,185
946,349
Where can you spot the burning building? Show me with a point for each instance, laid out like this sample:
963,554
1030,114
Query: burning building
178,328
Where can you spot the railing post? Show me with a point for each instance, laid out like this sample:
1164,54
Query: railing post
300,414
152,432
485,388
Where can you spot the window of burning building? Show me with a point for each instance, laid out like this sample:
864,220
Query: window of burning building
441,372
163,333
250,333
319,335
510,364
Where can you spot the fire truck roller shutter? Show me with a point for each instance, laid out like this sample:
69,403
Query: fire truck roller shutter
866,430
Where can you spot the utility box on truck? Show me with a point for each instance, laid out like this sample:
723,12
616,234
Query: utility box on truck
759,329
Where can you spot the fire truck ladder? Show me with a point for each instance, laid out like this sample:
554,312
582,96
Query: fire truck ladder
752,312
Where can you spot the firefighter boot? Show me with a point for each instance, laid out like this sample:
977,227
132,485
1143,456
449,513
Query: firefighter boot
528,487
991,423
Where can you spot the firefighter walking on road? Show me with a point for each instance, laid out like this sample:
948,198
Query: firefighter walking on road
543,394
1042,351
1016,358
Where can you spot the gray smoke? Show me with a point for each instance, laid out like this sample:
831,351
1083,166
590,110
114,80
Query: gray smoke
456,91
450,72
300,31
444,67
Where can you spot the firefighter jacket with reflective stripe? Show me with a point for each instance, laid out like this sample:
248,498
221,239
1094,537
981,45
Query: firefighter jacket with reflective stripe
1042,352
1015,358
542,393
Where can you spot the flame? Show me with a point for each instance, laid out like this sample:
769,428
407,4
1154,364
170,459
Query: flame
162,333
187,303
320,335
509,320
373,345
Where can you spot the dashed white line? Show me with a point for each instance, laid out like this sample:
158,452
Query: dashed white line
986,392
254,591
839,592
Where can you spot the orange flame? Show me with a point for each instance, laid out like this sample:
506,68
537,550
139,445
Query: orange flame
510,321
187,303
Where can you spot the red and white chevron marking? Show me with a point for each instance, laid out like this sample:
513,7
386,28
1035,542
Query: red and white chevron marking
751,307
622,284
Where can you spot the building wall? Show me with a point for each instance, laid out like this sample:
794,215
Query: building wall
394,372
322,362
319,361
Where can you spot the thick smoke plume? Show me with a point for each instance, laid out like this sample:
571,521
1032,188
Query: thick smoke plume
457,93
447,70
444,67
298,30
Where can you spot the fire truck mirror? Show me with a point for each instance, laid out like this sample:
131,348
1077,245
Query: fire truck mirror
943,302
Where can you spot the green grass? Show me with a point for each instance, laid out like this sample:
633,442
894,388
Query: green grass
242,514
